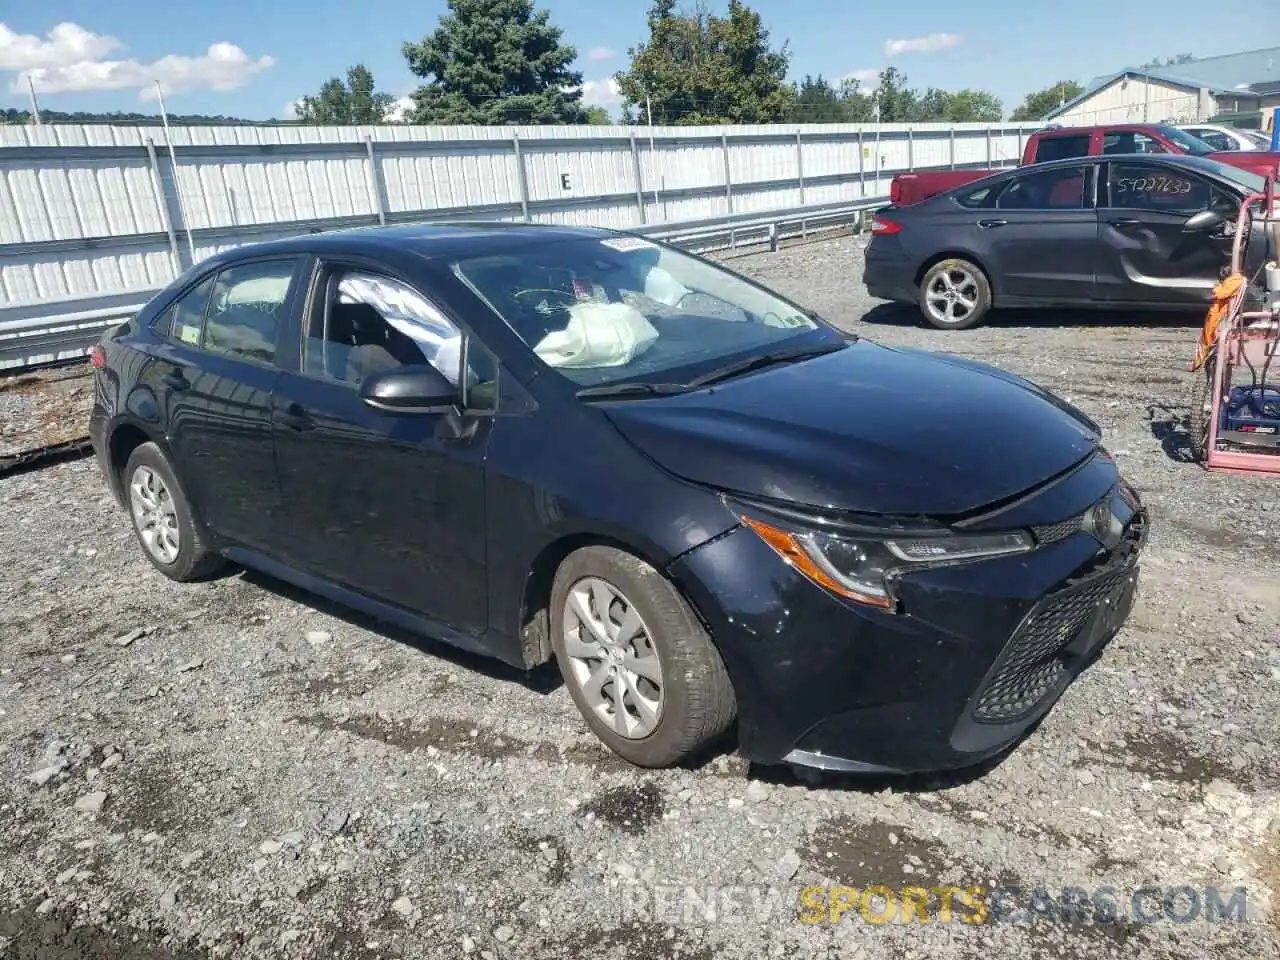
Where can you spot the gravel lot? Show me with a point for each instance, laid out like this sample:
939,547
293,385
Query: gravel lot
235,769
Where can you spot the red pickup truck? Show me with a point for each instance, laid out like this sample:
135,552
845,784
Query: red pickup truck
1063,142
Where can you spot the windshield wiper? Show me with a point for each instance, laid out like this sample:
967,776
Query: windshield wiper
764,360
610,391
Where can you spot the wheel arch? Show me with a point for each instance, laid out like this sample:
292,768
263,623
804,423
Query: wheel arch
535,596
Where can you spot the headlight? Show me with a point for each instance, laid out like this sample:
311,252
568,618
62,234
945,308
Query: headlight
864,569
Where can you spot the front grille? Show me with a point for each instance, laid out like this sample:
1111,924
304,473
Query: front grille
1053,532
1033,662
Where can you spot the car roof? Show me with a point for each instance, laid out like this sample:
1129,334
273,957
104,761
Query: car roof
455,240
1202,164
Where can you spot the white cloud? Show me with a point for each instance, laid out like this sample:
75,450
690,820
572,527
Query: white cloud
66,43
933,43
601,93
867,79
600,53
72,60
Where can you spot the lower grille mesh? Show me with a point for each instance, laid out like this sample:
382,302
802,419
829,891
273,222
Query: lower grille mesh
1032,662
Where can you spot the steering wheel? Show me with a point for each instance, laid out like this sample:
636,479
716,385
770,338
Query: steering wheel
544,323
572,297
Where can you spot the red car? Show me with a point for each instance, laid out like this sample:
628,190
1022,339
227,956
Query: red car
1063,142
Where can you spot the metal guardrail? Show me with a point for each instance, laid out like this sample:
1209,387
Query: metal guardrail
33,341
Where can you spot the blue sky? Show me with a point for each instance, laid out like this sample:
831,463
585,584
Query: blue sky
106,52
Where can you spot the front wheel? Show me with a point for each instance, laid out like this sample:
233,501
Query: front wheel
954,294
638,664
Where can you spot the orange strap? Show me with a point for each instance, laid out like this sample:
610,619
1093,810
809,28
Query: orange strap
1223,294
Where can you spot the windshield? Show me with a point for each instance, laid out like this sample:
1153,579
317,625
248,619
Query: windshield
621,308
1187,143
1261,139
1246,179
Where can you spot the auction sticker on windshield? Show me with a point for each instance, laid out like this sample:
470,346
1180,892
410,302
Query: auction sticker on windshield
627,244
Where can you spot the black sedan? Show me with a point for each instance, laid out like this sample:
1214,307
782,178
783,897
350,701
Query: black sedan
1142,231
704,502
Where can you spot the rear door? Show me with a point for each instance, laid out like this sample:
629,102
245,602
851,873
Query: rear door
1041,236
1145,255
213,373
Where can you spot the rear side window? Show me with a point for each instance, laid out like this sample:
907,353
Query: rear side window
246,308
185,319
982,198
1060,189
1061,148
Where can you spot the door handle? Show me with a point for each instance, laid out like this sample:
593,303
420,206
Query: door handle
988,224
176,380
1124,222
295,417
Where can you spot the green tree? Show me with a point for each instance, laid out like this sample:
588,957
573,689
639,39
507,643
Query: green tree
857,107
339,104
1041,103
974,106
494,62
818,102
598,116
893,100
698,68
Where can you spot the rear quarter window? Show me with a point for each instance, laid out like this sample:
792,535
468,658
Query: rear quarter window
1060,148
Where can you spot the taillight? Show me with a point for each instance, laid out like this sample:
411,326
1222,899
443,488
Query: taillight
880,227
98,356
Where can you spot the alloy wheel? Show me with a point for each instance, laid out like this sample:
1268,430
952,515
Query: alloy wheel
155,514
612,658
952,295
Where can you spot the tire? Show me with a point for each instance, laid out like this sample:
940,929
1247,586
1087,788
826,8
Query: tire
951,284
695,698
163,522
1200,412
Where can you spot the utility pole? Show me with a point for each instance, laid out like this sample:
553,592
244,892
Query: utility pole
35,106
173,166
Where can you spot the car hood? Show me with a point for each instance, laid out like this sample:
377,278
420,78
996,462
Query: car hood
867,429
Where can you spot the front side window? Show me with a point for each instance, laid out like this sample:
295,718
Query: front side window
1138,186
1060,189
246,309
606,311
369,323
1130,141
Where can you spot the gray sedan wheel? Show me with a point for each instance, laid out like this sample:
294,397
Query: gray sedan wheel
954,294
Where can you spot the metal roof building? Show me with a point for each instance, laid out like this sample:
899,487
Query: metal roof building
1238,83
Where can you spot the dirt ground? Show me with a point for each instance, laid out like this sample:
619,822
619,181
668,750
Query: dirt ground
235,769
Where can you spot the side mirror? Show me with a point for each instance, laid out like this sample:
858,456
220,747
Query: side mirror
1204,220
411,389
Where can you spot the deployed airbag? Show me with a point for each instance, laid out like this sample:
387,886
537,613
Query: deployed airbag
598,335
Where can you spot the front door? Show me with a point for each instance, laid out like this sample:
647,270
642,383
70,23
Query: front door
390,504
214,371
1042,236
1145,255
